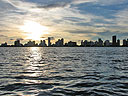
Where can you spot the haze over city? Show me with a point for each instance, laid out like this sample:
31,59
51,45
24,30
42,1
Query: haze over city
70,19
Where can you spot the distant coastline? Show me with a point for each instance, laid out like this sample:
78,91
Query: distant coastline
60,43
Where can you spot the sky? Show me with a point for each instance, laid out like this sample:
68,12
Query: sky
69,19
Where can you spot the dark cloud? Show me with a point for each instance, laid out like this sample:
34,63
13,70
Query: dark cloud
3,36
56,5
73,19
12,39
79,31
4,30
109,33
19,39
43,37
15,38
104,34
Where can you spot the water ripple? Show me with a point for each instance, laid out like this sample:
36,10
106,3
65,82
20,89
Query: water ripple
64,71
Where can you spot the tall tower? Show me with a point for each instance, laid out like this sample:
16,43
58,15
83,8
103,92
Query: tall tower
49,41
100,42
114,40
124,42
62,42
118,42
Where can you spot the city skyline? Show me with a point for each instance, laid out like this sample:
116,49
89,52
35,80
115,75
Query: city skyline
71,19
115,42
64,47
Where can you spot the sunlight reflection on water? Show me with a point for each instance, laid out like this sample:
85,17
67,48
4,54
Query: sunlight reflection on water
63,71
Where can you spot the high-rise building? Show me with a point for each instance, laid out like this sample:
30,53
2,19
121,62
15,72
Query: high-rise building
49,41
100,42
118,42
59,43
127,42
107,43
17,43
114,41
124,42
30,44
82,43
71,44
4,44
85,42
42,43
62,41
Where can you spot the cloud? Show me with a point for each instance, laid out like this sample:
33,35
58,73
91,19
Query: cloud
4,30
104,34
52,6
65,17
3,36
20,39
122,18
110,2
43,37
35,7
80,31
82,1
12,39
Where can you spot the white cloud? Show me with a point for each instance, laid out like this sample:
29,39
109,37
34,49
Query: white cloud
111,2
122,18
19,11
82,1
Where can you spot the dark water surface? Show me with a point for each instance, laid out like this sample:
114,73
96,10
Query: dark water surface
64,71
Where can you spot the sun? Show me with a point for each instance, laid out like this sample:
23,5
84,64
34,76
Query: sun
34,30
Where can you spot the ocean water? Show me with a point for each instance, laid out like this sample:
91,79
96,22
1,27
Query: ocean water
60,71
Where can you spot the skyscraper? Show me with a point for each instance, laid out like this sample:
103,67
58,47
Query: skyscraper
124,42
100,42
17,43
107,43
30,44
71,44
118,42
62,42
59,43
42,43
114,41
82,43
49,41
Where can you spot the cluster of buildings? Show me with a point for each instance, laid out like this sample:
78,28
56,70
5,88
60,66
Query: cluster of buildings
101,43
60,43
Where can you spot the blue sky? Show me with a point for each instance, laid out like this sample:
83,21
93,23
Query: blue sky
71,19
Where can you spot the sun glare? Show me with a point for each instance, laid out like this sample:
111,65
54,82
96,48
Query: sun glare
34,30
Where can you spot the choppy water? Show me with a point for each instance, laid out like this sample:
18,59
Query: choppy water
64,71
